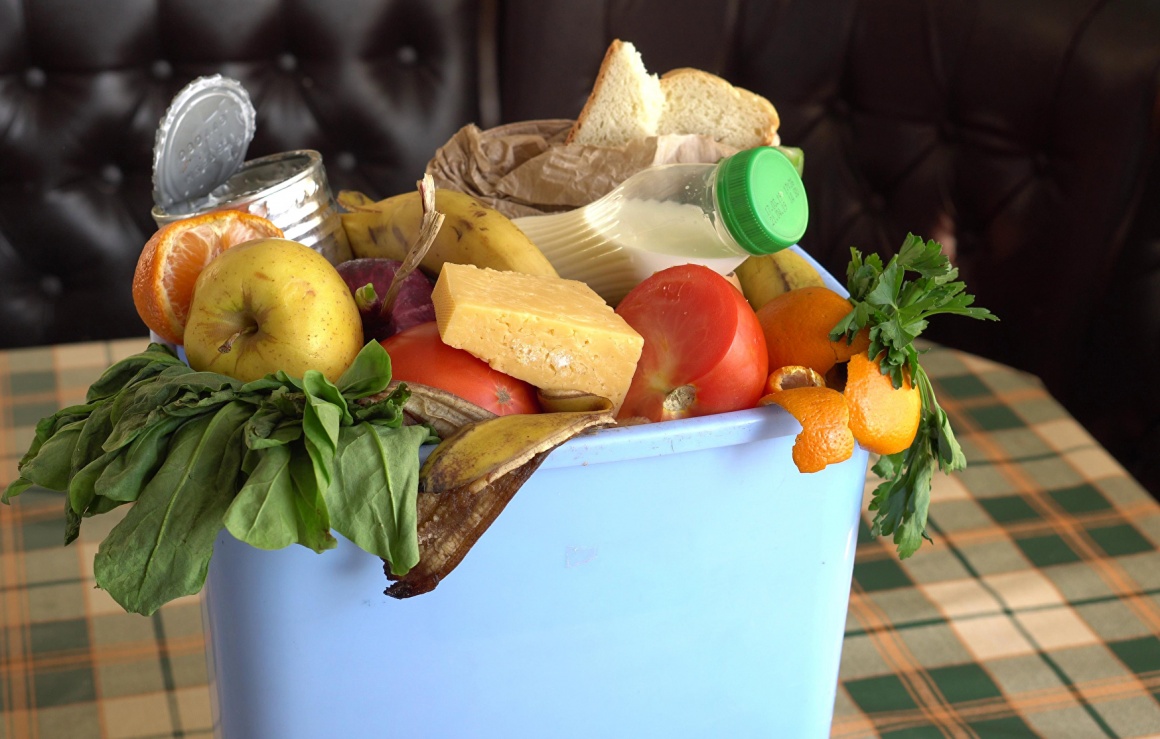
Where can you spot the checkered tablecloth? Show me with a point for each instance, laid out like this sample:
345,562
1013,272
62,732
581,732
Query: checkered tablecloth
1035,613
73,665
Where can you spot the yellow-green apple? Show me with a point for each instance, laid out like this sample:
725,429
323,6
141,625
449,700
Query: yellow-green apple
269,305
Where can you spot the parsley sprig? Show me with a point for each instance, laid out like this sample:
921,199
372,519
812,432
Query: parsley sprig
896,310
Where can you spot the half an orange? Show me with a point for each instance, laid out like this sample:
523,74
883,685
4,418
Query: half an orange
176,254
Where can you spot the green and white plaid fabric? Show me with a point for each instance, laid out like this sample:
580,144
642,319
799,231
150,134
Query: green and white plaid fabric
1035,613
73,665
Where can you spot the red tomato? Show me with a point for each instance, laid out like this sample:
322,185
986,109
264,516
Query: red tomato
419,355
704,350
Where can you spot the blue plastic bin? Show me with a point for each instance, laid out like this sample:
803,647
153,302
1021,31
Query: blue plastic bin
669,580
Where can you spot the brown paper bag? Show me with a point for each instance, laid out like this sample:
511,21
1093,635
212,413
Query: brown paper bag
525,168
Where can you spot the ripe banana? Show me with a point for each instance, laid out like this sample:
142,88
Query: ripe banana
356,201
765,277
472,233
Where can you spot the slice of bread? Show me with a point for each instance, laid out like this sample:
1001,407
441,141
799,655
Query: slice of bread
625,103
703,103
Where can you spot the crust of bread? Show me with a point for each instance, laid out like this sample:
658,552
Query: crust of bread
601,76
612,56
728,113
744,102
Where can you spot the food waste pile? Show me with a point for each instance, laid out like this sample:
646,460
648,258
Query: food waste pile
307,388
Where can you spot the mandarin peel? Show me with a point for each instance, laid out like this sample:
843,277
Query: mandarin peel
786,378
825,437
884,419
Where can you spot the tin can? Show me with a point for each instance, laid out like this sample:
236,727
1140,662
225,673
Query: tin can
290,189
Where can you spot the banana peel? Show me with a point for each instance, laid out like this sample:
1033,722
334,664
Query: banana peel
470,478
558,401
472,233
765,277
484,451
444,412
355,201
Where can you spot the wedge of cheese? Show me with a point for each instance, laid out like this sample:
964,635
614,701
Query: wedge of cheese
553,333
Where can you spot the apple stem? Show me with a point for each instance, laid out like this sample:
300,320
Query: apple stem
226,347
428,230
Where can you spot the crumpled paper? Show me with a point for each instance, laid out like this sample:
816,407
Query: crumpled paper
525,168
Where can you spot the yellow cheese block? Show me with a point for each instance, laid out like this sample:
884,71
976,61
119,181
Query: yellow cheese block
553,333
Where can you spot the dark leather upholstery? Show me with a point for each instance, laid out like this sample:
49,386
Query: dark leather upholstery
374,85
1022,135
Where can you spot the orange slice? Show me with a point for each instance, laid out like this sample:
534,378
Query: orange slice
176,254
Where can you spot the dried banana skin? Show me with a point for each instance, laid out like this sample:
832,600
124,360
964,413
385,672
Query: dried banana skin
449,525
443,412
470,478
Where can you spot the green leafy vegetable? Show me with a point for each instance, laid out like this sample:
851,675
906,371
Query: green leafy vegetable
161,550
263,513
383,523
896,310
51,466
363,376
276,461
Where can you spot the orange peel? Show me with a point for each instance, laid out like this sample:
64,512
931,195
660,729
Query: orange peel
825,437
794,375
884,419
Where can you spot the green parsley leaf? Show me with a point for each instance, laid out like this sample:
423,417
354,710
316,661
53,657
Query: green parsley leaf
896,309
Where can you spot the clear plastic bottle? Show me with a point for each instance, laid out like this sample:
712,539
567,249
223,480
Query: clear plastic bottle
711,214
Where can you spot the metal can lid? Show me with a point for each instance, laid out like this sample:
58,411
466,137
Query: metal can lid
201,140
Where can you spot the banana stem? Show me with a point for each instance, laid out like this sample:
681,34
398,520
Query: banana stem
428,230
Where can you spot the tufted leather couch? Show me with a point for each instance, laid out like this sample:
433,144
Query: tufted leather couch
1021,135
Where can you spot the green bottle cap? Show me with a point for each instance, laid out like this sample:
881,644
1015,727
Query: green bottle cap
762,200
